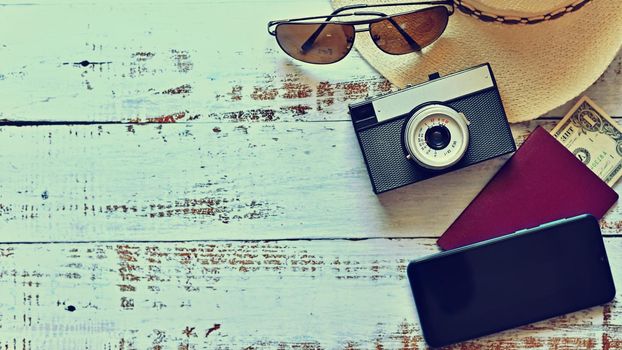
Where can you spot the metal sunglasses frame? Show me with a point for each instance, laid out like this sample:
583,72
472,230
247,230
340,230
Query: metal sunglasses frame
308,44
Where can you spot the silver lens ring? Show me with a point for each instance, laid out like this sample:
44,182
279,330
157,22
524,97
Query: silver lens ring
436,136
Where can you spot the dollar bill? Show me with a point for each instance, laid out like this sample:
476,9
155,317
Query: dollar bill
593,137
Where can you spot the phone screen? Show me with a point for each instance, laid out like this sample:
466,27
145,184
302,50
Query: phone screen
511,281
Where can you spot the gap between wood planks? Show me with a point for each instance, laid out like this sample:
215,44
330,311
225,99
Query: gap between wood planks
4,122
350,239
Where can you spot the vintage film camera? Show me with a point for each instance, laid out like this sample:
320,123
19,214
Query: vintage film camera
432,128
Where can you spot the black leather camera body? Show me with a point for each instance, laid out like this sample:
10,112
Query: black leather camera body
432,128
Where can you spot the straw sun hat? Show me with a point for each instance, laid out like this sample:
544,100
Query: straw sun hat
538,66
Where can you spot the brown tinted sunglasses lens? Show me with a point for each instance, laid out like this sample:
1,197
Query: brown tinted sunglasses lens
331,43
423,27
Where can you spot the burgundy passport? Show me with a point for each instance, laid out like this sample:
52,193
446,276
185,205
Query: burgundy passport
542,182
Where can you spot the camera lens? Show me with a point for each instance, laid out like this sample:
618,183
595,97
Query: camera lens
437,137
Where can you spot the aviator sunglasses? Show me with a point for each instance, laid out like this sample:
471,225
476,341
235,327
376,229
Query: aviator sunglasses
320,41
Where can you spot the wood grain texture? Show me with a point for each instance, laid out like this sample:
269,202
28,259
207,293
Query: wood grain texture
217,181
333,294
214,62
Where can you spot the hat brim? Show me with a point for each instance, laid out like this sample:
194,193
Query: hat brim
537,67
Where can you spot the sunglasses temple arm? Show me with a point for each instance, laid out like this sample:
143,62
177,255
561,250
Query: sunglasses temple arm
406,36
308,44
440,2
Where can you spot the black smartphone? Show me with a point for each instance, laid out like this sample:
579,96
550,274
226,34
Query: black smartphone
510,281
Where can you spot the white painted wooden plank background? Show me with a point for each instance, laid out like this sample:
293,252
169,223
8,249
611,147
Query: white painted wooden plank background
263,295
241,164
210,61
217,181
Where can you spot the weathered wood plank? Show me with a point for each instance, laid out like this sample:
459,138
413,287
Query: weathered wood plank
71,65
256,295
217,181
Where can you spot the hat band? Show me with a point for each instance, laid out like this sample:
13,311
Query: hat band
466,7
